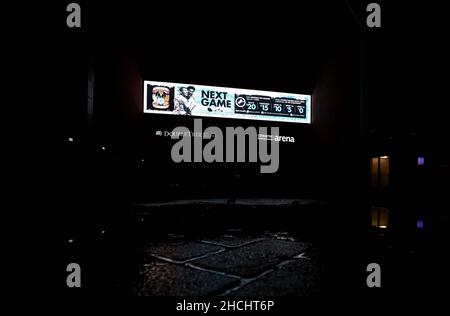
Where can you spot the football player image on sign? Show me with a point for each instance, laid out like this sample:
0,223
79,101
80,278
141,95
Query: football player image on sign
184,102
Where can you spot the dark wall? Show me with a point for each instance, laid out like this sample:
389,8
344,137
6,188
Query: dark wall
119,43
308,167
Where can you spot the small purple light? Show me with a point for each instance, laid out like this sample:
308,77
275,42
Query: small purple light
419,224
420,161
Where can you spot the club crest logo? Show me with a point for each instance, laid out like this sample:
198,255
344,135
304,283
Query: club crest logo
161,98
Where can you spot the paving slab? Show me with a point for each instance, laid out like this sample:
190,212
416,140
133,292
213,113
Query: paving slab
254,259
166,279
181,251
232,241
295,278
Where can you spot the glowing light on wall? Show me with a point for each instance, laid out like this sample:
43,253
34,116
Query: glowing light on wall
419,224
420,161
379,169
380,217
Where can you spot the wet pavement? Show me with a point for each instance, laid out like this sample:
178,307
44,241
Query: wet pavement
286,248
269,264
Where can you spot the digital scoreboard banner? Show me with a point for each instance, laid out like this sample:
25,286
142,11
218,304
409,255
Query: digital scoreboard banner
208,101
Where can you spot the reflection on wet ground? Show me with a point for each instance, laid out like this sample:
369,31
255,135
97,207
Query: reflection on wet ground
265,249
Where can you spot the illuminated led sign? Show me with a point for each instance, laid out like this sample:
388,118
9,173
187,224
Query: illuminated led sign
209,101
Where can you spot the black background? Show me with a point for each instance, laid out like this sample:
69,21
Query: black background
405,78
